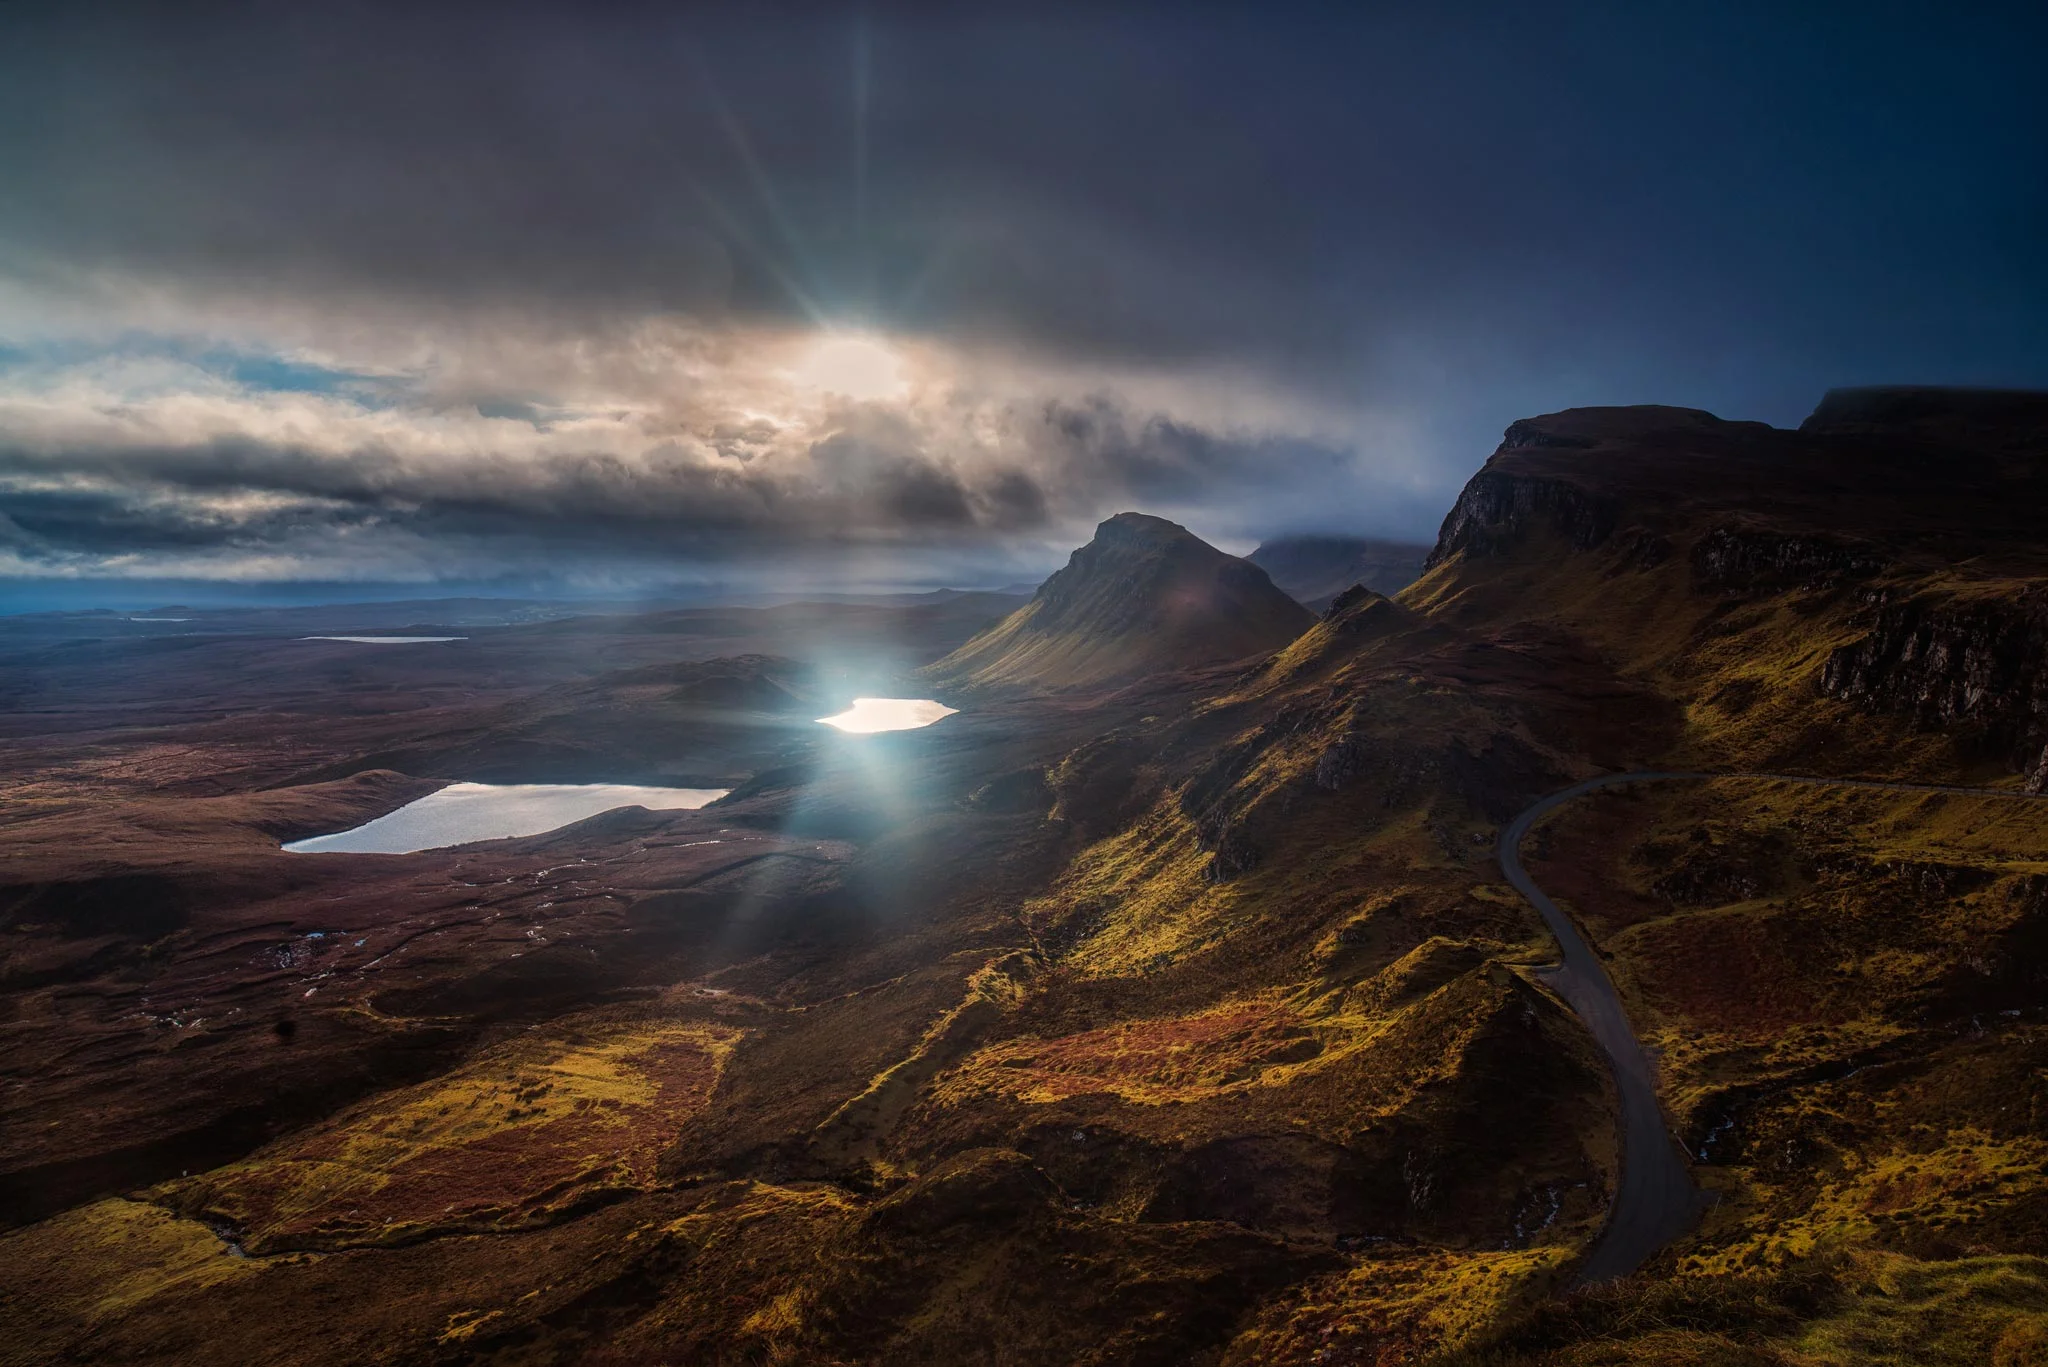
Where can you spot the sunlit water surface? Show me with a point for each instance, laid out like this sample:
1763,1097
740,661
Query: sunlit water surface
387,640
888,714
463,812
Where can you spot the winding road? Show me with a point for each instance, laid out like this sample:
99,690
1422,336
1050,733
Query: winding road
1656,1201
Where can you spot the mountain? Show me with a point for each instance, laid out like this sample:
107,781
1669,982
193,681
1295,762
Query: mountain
1196,1020
1858,592
1145,595
1836,986
1839,984
1313,570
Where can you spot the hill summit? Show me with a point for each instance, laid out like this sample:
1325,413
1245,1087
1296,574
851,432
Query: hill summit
1145,594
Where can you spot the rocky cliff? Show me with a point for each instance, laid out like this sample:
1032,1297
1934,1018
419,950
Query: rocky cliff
1977,663
1885,556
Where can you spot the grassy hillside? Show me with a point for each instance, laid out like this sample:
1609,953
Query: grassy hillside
1167,1005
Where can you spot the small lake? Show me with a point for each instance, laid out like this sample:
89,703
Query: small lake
387,640
868,715
465,812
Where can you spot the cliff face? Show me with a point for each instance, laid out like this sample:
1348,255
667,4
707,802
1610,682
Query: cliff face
1191,1007
1498,509
1749,560
1885,556
1980,665
1586,474
1841,984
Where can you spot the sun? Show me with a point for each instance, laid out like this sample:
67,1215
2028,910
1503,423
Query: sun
852,364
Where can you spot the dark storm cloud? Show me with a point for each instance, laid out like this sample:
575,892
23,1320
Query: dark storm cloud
880,478
1432,219
1287,180
1148,458
107,521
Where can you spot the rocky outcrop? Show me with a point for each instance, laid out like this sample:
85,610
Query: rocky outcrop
1343,603
1232,851
1748,560
1497,510
1341,763
1946,663
1359,613
1640,548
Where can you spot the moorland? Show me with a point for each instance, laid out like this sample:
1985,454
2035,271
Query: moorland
1168,1002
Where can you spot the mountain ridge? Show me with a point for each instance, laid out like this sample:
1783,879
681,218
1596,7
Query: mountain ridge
1189,1000
1144,594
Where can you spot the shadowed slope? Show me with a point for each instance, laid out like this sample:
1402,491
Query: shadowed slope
1186,1020
1145,594
1851,600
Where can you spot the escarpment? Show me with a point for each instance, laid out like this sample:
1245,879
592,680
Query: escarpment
1164,1005
1883,559
1497,510
1749,560
1945,661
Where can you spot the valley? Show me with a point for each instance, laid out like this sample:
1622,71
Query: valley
1621,943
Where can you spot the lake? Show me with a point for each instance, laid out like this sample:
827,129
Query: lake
387,640
868,715
466,812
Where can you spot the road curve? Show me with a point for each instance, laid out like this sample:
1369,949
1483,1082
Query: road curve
1656,1201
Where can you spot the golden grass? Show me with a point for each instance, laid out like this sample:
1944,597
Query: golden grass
1147,1062
516,1136
1394,1306
1910,1190
1861,1309
1907,1313
1822,967
96,1261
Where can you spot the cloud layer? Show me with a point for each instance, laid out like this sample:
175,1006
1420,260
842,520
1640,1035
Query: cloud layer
656,450
373,292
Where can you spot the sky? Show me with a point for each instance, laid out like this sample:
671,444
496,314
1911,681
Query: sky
618,300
